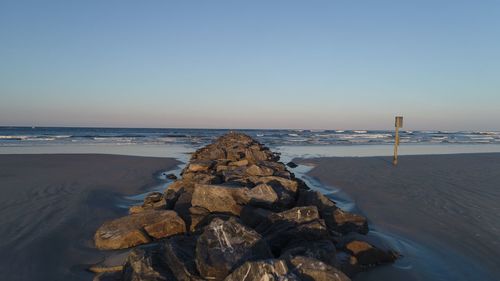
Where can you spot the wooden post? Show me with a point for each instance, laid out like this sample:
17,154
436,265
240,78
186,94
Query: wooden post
398,124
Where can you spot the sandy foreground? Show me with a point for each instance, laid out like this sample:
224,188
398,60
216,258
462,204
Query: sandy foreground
51,205
449,204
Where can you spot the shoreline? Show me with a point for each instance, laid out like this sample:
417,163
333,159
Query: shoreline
444,203
51,205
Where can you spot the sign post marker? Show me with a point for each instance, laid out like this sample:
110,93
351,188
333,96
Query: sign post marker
398,124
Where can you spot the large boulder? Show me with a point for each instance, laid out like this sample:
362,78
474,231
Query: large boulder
222,199
294,216
153,201
336,219
276,166
199,166
266,270
138,229
314,270
315,198
322,250
282,232
172,193
224,245
146,263
252,216
262,195
369,255
254,170
297,215
191,178
287,184
179,254
345,222
301,223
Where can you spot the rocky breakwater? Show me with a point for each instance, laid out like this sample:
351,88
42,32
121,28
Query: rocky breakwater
239,214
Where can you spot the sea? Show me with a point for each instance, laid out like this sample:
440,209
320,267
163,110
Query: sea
174,142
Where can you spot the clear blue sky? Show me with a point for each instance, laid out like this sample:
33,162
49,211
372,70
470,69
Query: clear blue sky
251,64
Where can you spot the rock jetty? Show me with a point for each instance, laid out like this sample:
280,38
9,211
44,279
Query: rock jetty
238,214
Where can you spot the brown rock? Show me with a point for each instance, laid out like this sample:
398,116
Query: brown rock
155,201
337,220
262,195
221,168
240,163
254,170
197,166
289,185
276,166
221,199
191,178
135,209
312,269
345,222
138,229
367,254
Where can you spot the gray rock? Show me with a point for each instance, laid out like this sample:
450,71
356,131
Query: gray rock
224,245
294,216
146,264
171,176
269,270
179,255
315,198
311,269
279,233
252,216
322,250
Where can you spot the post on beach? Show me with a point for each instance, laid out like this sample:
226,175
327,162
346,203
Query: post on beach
398,124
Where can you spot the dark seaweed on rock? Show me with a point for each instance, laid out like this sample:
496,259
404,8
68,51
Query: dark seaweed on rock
239,214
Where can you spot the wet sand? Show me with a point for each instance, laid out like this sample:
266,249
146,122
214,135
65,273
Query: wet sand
50,206
449,204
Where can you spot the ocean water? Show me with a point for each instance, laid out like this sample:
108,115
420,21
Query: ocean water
28,136
178,143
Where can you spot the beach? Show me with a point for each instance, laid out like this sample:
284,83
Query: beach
51,205
439,211
445,204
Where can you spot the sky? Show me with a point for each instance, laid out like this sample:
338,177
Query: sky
308,64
